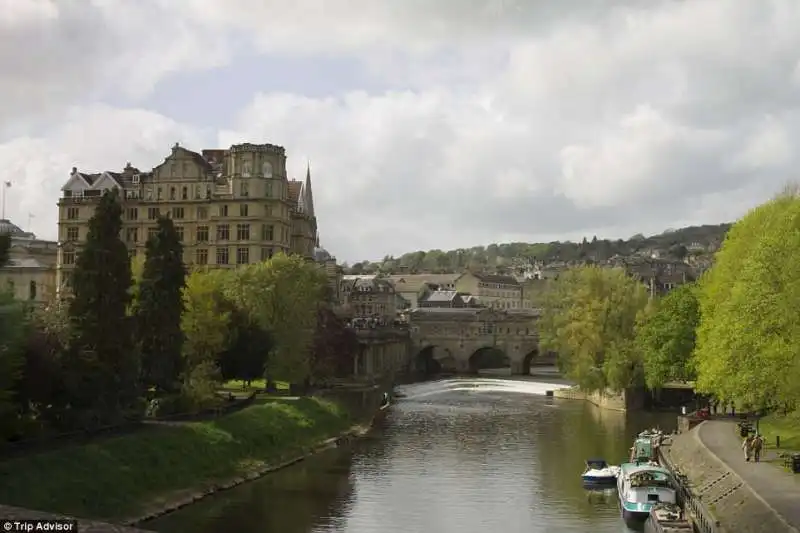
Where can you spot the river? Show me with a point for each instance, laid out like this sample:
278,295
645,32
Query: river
455,456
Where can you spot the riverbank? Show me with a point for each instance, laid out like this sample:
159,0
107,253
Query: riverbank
615,401
743,497
139,476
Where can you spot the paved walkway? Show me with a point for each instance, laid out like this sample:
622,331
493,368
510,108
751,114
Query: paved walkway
778,488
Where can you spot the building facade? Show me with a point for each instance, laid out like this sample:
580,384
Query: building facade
230,206
492,290
30,273
370,298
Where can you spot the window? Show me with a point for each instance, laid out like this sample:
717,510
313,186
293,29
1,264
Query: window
245,189
202,213
73,213
179,231
177,213
223,210
268,190
268,210
185,193
222,256
243,210
266,253
73,233
266,169
159,195
148,193
32,290
223,232
151,232
202,233
201,256
172,193
133,213
242,256
267,232
197,192
132,234
242,232
152,213
68,257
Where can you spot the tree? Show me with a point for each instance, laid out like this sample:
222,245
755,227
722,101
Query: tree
206,318
246,356
159,309
665,338
749,301
12,321
102,350
334,346
589,318
5,248
282,296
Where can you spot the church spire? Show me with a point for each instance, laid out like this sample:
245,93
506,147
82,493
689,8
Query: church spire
309,195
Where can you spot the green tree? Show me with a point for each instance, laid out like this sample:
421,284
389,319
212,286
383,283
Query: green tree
749,301
206,319
246,355
665,338
159,309
5,247
103,354
12,324
589,317
282,296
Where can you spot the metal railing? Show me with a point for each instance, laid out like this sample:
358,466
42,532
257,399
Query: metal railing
703,519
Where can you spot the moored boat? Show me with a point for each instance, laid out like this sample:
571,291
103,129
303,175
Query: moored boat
599,473
667,518
641,487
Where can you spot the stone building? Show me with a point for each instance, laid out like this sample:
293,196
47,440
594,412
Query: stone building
230,206
31,270
492,290
370,297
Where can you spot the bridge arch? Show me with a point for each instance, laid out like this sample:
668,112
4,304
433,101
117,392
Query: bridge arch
489,358
434,359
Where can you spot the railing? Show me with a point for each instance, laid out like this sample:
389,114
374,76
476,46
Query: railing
702,518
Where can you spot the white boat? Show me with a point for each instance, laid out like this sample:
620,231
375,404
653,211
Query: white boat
598,472
642,487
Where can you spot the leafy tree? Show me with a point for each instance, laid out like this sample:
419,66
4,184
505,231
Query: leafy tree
749,301
5,247
282,296
665,338
106,363
589,318
12,321
206,318
334,346
246,356
159,309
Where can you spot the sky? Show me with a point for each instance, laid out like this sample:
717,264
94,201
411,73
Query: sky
427,124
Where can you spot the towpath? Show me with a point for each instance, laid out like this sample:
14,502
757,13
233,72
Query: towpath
778,488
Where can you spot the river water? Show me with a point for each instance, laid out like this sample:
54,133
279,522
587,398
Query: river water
455,456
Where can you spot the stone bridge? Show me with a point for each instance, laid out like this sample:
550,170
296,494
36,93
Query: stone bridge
468,340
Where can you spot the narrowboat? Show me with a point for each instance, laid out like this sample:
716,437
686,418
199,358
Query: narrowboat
642,487
667,518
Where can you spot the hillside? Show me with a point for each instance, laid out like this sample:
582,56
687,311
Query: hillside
694,241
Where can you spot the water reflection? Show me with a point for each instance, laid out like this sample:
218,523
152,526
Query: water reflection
455,456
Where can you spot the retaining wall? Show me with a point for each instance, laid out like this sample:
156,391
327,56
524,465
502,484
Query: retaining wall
628,400
719,490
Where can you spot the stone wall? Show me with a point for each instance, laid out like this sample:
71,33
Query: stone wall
720,491
628,400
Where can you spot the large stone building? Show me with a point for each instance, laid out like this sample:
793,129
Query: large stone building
31,270
491,290
230,207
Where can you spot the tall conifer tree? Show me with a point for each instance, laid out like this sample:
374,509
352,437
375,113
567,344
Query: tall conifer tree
159,309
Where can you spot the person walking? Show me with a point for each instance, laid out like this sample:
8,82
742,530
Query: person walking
747,446
758,445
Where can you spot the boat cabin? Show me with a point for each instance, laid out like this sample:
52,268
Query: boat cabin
596,464
645,449
648,485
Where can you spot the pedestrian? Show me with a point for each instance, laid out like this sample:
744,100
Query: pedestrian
758,445
747,446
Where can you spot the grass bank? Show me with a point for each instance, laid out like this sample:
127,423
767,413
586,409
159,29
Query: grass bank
787,426
125,476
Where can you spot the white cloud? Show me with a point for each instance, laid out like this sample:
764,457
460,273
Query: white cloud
509,118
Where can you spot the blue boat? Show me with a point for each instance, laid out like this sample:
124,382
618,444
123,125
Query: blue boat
599,473
641,487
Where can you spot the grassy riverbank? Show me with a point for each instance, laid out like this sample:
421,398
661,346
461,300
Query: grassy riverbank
787,426
121,477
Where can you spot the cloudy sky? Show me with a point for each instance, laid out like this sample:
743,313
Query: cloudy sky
428,124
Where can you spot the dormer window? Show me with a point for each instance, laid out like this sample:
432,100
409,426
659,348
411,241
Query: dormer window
135,179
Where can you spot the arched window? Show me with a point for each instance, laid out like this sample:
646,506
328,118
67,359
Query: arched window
32,290
266,169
